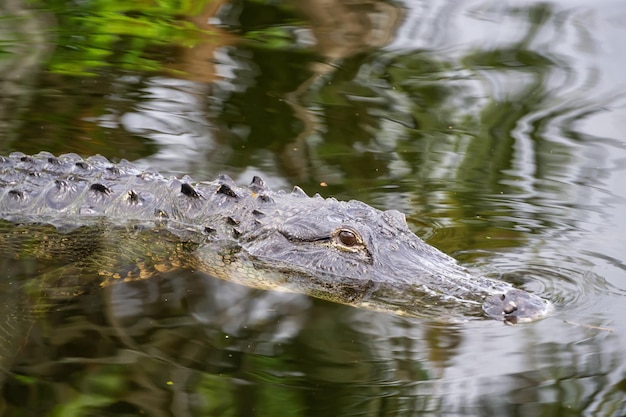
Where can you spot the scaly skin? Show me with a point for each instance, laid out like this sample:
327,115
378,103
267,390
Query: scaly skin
80,212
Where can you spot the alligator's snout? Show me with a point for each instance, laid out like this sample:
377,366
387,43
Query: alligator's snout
516,306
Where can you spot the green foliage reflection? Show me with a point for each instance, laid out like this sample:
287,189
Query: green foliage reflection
125,34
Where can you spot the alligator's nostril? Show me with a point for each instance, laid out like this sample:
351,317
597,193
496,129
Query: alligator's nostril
516,306
511,307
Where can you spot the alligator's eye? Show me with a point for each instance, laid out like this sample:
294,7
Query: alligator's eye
348,238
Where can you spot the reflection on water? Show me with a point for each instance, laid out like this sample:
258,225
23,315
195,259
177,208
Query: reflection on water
22,46
496,126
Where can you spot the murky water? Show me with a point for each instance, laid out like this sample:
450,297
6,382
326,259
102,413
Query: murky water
496,126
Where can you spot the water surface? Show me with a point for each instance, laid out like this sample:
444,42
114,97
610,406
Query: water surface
497,127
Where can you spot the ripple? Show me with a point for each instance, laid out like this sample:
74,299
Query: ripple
570,283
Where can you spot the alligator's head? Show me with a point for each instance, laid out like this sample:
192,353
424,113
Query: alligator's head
352,253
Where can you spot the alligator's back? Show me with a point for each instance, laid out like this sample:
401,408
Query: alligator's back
69,191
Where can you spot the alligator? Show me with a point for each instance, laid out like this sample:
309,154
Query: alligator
90,223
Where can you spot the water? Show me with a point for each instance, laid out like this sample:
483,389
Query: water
497,127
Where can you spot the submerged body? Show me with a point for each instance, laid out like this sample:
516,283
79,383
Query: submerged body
116,222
